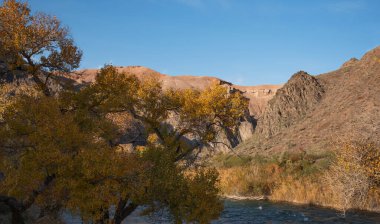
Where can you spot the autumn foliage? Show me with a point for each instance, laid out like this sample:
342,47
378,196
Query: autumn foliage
36,43
355,174
63,152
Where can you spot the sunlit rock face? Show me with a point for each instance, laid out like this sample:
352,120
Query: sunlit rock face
258,97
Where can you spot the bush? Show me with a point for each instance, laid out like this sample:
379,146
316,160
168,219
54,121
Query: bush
355,173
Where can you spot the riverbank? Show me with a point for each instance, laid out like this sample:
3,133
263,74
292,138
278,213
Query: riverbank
292,178
293,202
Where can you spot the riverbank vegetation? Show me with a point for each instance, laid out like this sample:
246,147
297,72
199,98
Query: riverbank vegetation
345,178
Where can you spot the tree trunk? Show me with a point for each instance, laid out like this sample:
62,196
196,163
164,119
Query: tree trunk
123,211
16,207
106,217
30,200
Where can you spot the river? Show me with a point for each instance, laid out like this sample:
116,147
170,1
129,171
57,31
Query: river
249,211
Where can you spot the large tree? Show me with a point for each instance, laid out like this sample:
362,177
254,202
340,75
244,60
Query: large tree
63,152
36,43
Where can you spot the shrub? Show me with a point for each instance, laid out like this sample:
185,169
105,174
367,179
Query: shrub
354,175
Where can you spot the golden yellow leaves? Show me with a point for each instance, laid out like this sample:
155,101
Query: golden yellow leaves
75,136
37,43
152,139
170,114
360,157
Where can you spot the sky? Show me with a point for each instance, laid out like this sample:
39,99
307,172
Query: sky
247,42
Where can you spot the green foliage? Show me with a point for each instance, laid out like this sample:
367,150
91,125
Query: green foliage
227,161
296,164
301,164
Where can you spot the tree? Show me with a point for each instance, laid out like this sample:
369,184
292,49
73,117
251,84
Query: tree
63,151
36,43
170,115
42,146
198,114
355,172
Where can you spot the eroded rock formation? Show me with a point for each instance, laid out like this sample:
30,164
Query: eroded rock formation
290,104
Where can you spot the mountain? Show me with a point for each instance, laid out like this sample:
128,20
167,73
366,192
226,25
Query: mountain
312,113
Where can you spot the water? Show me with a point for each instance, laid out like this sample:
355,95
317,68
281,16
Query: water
273,213
257,212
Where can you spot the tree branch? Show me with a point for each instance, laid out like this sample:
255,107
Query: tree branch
29,201
123,210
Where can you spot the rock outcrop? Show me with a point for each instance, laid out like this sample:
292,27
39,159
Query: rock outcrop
258,97
299,95
350,62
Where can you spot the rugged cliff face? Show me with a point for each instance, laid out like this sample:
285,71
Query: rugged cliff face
258,97
312,113
290,104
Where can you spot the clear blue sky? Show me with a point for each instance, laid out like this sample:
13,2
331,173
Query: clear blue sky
247,42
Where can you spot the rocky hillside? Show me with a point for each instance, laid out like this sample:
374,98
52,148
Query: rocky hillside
292,102
311,113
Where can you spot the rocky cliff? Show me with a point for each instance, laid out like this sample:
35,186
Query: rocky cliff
290,104
258,97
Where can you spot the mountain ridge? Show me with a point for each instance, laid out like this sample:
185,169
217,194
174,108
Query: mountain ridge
349,110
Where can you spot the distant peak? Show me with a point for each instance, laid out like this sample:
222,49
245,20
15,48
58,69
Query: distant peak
350,62
301,75
372,56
